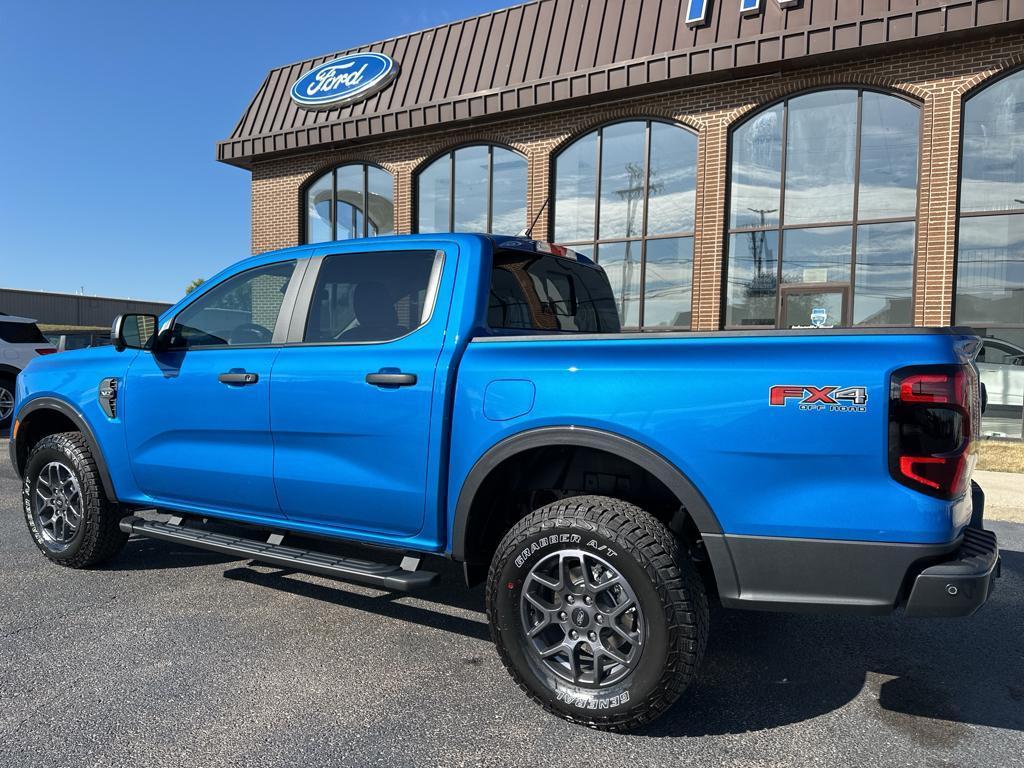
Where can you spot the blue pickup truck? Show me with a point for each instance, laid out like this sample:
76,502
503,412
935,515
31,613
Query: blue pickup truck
474,397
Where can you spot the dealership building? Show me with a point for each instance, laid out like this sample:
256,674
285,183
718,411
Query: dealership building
732,164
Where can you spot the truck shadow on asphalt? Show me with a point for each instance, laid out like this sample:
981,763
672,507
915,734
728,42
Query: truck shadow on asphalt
142,554
927,678
449,593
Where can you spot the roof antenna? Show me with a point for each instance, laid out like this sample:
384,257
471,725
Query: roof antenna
528,232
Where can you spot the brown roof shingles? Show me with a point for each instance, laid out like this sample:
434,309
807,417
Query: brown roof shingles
524,53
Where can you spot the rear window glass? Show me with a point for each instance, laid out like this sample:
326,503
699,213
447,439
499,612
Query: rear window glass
21,333
539,292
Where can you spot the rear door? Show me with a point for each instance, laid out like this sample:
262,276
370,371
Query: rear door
352,393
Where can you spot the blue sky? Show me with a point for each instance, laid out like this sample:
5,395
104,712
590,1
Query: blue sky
111,111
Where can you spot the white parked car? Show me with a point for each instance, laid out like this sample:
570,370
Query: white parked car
1001,364
20,342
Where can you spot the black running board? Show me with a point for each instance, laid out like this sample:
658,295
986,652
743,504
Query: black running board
390,577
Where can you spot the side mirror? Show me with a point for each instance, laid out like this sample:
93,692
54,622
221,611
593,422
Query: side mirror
133,332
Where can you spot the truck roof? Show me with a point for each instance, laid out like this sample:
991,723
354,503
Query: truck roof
499,241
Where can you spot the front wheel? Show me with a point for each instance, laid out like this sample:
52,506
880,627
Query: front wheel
68,515
597,612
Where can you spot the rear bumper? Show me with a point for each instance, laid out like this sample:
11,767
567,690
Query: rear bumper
819,575
961,585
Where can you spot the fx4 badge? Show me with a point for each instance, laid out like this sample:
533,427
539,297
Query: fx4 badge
832,399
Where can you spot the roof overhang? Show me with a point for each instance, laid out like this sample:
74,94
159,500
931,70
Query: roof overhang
559,53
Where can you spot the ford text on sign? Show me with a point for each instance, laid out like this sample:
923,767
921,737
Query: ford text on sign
697,10
340,81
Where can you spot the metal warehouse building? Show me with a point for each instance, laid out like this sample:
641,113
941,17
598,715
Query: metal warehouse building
71,310
730,163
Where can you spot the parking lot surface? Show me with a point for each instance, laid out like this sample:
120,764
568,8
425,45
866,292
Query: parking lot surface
176,657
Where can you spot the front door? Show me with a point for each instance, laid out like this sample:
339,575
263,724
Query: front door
197,415
351,398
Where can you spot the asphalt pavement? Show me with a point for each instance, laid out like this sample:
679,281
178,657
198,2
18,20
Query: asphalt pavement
170,656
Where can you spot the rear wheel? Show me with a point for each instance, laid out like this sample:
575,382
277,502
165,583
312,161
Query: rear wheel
597,612
68,515
6,401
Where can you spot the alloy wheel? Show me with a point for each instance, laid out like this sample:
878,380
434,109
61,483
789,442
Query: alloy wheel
57,505
582,619
6,404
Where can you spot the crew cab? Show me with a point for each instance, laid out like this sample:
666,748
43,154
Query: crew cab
474,397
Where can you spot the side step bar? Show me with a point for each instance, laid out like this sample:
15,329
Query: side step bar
403,578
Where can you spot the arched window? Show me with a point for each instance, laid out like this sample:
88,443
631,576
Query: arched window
990,245
625,195
823,211
350,201
481,188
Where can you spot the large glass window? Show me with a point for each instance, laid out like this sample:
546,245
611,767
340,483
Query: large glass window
243,310
822,216
473,189
990,252
348,202
625,195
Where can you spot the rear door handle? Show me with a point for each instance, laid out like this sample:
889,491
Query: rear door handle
242,378
391,379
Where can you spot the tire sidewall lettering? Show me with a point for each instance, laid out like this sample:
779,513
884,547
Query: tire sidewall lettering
569,539
582,701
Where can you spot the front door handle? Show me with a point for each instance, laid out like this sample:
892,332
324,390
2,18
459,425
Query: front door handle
397,379
238,377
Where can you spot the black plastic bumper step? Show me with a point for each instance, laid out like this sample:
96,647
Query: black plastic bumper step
383,575
958,586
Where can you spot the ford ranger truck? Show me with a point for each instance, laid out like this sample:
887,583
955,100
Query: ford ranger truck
473,397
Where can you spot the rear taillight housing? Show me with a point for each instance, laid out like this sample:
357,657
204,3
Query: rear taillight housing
934,414
45,350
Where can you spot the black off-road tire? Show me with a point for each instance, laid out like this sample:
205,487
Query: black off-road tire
98,537
667,587
6,384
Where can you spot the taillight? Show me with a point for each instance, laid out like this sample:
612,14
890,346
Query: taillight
933,420
45,350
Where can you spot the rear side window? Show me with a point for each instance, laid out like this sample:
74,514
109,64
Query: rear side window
21,333
539,292
377,296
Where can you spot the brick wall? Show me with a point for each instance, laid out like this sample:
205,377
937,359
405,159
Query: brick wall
267,296
936,77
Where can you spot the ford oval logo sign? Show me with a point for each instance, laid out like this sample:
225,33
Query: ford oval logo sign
341,81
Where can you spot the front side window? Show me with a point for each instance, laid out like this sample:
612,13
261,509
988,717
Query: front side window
473,189
348,202
990,246
241,311
378,296
539,292
822,215
625,195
